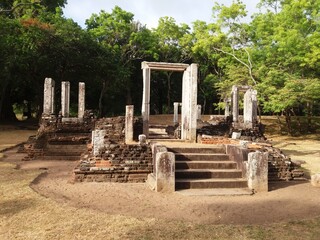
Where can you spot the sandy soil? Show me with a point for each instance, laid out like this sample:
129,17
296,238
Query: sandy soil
286,201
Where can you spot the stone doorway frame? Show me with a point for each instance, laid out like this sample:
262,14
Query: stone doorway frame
189,96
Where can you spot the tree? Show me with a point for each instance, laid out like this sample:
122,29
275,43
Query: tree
286,41
173,45
126,40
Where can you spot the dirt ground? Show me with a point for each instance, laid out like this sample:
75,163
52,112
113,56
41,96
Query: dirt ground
286,201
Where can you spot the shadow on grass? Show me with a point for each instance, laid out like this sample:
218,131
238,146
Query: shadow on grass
12,207
300,153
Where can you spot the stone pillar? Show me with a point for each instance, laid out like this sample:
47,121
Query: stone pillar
81,100
235,104
176,113
193,102
48,96
145,111
65,99
257,171
199,112
250,108
227,107
315,180
189,110
129,124
98,141
165,172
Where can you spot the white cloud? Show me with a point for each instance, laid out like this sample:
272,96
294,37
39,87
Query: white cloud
149,11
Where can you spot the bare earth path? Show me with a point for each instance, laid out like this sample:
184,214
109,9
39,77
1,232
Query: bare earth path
285,202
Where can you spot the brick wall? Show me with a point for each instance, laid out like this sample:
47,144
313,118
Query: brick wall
115,161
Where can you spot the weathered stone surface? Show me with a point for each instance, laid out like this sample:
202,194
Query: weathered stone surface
142,139
65,99
250,108
98,141
81,100
165,172
129,123
48,98
257,171
315,180
189,96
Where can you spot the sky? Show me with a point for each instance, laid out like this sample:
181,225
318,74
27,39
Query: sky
149,11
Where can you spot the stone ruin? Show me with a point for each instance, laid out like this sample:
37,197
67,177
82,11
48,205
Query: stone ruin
119,149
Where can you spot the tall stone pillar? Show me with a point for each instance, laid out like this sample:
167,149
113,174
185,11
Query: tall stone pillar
129,124
48,96
176,113
146,101
235,104
65,99
189,110
81,99
250,108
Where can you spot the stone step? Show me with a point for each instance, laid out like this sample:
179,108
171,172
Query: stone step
74,134
60,158
159,136
211,183
214,149
202,156
207,173
205,165
66,147
215,192
63,153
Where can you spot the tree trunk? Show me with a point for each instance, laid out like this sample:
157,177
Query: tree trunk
169,91
309,116
6,109
103,91
288,121
129,95
298,120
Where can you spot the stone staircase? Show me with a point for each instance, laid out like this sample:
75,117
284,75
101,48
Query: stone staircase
206,168
158,132
67,147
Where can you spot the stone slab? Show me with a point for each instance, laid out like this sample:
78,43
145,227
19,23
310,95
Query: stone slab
216,192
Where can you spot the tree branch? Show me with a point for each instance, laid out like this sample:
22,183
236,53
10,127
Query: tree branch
15,7
249,67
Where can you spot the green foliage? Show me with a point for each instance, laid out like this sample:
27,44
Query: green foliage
278,53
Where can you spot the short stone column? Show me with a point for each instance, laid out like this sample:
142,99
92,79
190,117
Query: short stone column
250,108
257,171
65,99
98,141
81,99
199,112
129,124
165,172
48,96
315,180
176,113
235,104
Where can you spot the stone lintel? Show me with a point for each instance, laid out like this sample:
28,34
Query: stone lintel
176,67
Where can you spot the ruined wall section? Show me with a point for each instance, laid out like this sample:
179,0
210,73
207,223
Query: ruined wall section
114,161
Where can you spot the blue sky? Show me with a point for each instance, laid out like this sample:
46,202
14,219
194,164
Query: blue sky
149,11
